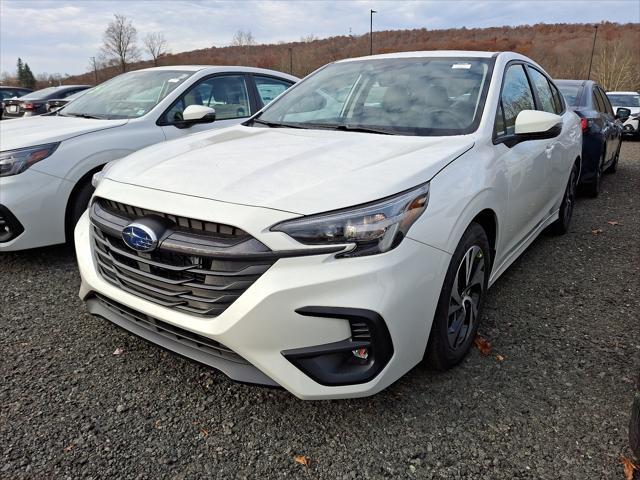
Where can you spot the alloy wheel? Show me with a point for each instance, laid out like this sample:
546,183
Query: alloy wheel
466,294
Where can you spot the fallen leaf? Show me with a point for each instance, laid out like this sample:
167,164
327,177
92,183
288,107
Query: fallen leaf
614,222
629,467
500,358
69,447
157,424
204,432
118,351
596,231
302,460
482,344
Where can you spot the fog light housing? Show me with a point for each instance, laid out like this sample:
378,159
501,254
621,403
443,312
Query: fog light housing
358,359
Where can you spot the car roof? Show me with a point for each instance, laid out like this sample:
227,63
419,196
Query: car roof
427,54
624,93
218,69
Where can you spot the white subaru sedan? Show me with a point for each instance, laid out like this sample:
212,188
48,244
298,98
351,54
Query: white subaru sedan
47,162
345,232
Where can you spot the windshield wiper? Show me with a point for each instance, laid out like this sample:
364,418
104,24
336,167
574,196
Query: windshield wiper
277,124
80,115
355,128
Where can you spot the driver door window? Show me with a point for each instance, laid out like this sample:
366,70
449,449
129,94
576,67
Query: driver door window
226,94
516,96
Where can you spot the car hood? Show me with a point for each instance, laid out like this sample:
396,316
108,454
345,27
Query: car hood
26,132
299,171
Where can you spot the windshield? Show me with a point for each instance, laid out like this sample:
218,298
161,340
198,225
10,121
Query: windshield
570,92
624,100
129,95
404,96
38,94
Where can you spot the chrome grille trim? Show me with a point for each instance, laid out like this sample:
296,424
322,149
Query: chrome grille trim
188,271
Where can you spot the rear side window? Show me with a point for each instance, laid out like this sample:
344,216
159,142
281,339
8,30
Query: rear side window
516,96
598,102
543,90
269,88
605,102
557,99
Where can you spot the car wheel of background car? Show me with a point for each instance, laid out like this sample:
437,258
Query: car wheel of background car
592,189
614,165
561,225
77,206
461,300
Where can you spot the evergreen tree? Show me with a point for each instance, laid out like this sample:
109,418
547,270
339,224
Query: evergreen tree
20,72
28,80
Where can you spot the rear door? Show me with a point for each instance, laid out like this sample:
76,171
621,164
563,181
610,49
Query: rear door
228,94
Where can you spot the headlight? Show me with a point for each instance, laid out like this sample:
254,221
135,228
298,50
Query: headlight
13,162
374,228
98,176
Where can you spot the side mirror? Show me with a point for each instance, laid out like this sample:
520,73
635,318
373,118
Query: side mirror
623,113
195,114
536,125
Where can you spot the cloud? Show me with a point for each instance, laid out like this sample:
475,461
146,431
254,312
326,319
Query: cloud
61,35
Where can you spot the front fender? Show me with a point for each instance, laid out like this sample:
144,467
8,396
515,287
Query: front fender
466,187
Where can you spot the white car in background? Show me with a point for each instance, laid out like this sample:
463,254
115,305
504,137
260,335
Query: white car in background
630,100
325,249
47,162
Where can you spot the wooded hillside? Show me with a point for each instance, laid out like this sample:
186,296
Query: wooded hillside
563,50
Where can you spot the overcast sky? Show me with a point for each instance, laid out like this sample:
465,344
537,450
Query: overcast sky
60,35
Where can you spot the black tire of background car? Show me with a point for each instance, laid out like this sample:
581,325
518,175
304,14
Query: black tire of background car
439,354
614,165
80,203
561,225
592,189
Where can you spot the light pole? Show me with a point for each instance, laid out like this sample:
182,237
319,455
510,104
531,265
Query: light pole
371,12
291,60
595,34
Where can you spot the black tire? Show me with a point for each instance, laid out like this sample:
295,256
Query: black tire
561,225
592,189
614,165
452,321
78,204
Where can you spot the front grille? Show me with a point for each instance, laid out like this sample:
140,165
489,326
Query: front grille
179,223
198,273
180,335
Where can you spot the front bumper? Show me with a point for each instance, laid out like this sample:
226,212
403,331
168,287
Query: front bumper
401,286
631,127
38,202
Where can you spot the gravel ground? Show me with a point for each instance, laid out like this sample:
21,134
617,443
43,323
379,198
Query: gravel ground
551,401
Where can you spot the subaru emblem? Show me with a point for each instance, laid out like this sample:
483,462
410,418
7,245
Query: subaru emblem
140,237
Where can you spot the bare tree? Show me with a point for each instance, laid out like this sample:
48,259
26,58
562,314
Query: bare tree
614,67
243,39
156,46
120,41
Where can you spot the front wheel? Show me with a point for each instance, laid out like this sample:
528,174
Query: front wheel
78,205
461,300
561,225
